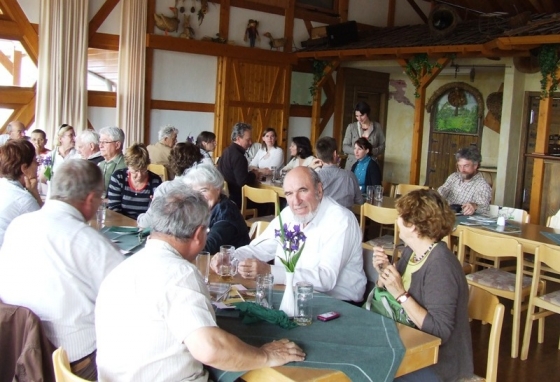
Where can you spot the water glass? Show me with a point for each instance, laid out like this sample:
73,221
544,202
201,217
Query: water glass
304,309
265,285
369,193
203,265
101,214
378,193
227,267
274,171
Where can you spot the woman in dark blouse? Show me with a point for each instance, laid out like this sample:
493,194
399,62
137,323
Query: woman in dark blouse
227,226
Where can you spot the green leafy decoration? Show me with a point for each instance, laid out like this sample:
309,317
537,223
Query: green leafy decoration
548,62
318,72
416,66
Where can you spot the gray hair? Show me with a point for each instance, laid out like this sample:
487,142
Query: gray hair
114,132
239,130
469,153
166,131
14,124
203,175
179,212
75,179
89,136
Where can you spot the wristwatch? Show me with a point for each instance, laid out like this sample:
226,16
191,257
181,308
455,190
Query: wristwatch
403,297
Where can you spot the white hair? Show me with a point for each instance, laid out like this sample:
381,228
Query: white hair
167,131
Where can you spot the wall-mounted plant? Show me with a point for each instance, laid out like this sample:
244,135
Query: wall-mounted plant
319,67
548,62
416,67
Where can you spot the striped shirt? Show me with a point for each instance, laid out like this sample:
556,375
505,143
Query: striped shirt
128,201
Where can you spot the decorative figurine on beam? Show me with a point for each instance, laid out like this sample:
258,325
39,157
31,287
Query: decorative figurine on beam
275,42
167,23
252,32
188,31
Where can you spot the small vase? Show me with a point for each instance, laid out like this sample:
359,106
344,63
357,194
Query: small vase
288,301
47,197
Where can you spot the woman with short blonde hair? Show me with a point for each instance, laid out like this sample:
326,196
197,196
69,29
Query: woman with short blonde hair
131,189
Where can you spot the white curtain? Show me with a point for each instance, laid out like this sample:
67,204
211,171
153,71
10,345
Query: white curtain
132,67
62,83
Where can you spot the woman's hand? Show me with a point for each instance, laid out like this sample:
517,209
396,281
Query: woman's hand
380,259
250,268
317,163
392,280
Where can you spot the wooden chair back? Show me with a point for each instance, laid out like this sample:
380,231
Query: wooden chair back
380,215
486,307
62,370
388,189
514,214
257,228
257,195
403,189
553,221
547,259
160,170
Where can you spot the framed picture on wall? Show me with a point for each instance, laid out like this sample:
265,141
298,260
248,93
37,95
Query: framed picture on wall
456,111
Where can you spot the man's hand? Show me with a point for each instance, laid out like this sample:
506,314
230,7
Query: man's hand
469,208
317,163
281,352
250,268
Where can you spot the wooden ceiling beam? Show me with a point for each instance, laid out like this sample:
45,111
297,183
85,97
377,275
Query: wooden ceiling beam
391,14
289,26
104,41
225,9
418,11
9,30
176,44
28,36
15,95
100,17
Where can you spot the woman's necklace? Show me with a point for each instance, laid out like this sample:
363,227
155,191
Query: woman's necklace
419,258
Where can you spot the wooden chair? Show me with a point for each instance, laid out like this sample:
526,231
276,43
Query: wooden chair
160,170
381,215
546,258
258,195
513,286
403,189
553,221
257,228
486,307
388,189
62,370
216,159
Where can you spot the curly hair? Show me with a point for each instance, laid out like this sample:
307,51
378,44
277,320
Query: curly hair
137,157
428,211
183,156
14,154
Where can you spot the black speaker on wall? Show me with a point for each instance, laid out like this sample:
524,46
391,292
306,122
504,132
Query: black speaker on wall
343,33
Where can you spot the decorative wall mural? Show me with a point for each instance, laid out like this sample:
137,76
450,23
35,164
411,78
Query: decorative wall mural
398,94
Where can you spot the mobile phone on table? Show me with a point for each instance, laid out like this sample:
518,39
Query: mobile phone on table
328,316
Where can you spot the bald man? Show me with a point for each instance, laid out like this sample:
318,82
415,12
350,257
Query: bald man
14,130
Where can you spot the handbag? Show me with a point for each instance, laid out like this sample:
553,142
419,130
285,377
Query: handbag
382,302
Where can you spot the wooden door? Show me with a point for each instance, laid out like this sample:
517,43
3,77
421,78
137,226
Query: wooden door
364,85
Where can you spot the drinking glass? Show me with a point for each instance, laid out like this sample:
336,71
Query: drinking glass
274,171
265,283
203,265
369,193
227,263
304,296
378,193
101,214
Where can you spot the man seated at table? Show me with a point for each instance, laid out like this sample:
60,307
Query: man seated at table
87,144
14,130
154,319
53,262
111,141
339,184
466,187
332,258
160,151
234,165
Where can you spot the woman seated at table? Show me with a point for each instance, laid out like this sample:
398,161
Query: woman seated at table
183,156
301,152
131,189
206,142
269,155
227,226
366,168
429,283
18,182
65,149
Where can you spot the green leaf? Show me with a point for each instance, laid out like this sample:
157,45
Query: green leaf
48,173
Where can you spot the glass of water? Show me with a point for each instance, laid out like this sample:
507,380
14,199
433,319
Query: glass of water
304,309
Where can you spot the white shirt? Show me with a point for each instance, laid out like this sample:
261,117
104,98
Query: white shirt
58,159
332,257
145,220
53,262
145,310
275,158
295,162
4,138
15,200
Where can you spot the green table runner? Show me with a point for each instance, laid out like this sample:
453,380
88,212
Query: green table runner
364,345
555,237
128,239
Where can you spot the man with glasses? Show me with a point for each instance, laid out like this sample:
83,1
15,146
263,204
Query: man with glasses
14,130
111,141
466,187
159,152
52,262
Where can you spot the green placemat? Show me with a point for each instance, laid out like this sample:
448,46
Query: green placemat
129,239
555,237
363,345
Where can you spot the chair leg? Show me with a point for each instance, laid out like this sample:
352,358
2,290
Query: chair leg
527,334
515,330
542,291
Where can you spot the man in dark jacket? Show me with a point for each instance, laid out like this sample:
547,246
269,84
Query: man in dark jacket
233,165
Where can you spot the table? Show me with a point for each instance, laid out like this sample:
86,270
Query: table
272,186
421,350
114,218
387,202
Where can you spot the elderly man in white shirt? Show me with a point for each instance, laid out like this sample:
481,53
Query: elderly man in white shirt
332,258
154,320
53,262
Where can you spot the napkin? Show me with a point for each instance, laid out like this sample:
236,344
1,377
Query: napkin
252,313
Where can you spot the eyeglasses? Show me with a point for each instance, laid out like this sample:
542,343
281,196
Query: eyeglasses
101,143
